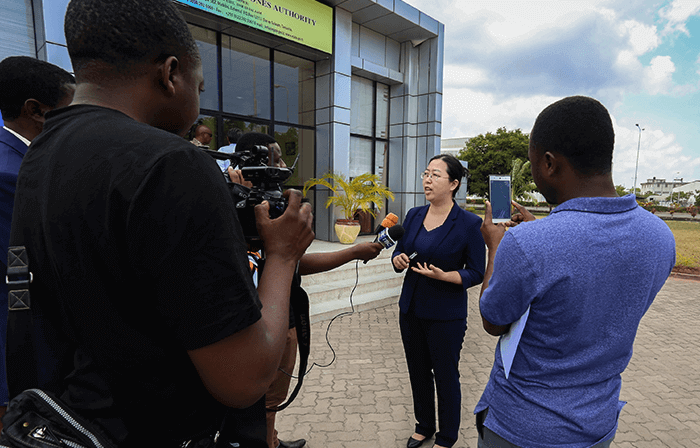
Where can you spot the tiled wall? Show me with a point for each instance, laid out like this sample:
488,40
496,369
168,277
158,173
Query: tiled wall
415,76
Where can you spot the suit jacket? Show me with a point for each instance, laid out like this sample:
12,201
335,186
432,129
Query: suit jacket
12,151
461,248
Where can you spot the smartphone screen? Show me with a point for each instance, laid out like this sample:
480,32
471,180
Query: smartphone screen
499,196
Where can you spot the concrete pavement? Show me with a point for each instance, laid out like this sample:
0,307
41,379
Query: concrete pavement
364,399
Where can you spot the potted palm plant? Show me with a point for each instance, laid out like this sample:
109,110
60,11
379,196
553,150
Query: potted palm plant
359,193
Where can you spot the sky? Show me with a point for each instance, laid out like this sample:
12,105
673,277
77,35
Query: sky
505,61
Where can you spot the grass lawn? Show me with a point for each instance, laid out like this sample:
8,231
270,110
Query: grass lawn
687,236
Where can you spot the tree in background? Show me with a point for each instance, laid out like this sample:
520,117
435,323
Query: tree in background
679,197
519,180
620,190
493,154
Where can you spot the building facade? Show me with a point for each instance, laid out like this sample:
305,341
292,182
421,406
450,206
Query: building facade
349,86
661,188
453,146
691,189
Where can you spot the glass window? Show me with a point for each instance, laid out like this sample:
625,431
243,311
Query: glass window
243,98
244,126
380,154
369,126
54,12
294,89
382,123
206,42
58,55
209,122
295,142
245,71
360,156
361,116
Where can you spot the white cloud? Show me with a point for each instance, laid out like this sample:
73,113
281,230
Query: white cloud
469,112
660,155
658,76
463,76
505,61
642,38
678,13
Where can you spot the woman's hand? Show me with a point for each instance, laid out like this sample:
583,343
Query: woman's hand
400,261
430,271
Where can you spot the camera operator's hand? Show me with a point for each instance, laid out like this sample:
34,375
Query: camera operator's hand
289,235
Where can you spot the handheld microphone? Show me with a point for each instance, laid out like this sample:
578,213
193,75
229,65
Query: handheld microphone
411,257
388,233
389,221
389,237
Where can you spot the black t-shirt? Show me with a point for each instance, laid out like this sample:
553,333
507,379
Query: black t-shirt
133,237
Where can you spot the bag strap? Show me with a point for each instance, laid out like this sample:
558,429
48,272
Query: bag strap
299,301
19,347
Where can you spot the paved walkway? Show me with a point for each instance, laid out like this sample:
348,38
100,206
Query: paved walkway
364,400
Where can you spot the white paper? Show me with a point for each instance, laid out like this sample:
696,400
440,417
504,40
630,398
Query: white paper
509,341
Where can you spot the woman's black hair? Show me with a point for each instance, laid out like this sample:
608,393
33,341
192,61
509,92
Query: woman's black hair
455,169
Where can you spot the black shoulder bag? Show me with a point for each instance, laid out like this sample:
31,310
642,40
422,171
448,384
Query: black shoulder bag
35,418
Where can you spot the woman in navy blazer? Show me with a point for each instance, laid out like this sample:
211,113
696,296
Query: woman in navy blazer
449,256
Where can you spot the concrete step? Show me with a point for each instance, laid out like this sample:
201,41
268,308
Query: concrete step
330,292
341,289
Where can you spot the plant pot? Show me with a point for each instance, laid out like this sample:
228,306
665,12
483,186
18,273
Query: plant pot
347,230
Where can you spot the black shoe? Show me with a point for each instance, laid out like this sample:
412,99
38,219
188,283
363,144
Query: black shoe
295,444
413,443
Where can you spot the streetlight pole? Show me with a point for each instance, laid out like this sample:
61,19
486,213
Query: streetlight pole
634,186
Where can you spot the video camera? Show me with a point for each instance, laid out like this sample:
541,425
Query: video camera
257,167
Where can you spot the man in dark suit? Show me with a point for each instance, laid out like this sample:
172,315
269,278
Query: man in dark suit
28,89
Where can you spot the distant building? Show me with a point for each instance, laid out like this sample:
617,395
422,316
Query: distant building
660,187
690,187
453,145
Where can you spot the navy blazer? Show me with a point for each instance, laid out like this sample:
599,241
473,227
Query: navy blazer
12,150
461,248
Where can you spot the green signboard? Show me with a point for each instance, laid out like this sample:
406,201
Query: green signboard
303,21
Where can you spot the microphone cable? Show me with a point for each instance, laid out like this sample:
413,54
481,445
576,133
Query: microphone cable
328,328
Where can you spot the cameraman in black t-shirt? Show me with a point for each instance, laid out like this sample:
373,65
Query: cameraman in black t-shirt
134,243
310,263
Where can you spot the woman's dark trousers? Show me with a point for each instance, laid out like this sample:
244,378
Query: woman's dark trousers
432,353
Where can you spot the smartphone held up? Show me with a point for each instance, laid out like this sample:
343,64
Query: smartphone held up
500,197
